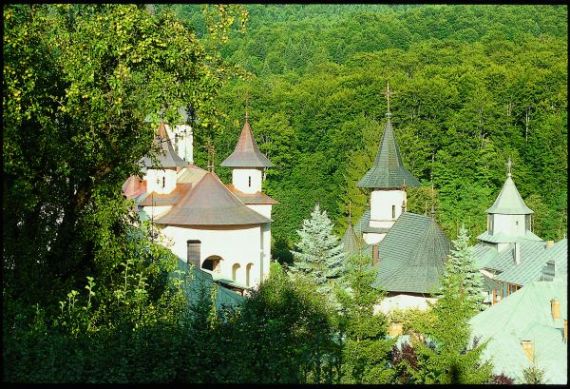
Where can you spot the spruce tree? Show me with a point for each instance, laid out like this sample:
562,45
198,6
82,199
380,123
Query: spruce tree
319,253
461,262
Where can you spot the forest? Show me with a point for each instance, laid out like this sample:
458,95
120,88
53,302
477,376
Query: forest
88,296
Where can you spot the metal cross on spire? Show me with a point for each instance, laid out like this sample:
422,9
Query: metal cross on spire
388,94
247,105
509,164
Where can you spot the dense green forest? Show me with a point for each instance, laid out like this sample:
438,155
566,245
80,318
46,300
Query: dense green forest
89,296
472,85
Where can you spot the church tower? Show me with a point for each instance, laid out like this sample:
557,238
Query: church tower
161,173
387,180
508,219
247,162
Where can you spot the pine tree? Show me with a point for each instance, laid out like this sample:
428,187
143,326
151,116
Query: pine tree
320,255
461,262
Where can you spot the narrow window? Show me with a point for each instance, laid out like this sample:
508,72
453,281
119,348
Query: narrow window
193,252
249,178
248,273
393,211
235,270
163,181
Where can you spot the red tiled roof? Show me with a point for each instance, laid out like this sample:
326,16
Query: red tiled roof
133,187
172,198
253,198
211,203
246,153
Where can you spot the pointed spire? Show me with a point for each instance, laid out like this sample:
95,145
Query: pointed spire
246,153
432,211
388,171
388,94
167,156
509,201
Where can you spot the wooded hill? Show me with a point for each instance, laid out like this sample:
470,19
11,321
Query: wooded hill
473,85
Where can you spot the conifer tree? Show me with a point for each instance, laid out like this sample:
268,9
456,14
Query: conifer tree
461,262
319,253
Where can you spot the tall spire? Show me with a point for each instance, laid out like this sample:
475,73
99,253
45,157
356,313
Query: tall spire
246,153
388,171
509,201
388,94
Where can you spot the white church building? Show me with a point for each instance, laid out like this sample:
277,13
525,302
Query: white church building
224,230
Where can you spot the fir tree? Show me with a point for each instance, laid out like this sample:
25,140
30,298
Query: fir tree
461,262
320,255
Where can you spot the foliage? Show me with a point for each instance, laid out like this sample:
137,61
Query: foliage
365,345
442,351
461,263
533,375
319,254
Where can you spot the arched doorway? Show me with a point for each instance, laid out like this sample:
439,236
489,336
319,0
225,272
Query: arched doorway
213,263
248,273
236,272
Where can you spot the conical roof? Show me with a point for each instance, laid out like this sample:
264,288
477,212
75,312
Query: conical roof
388,171
246,153
351,242
210,203
510,201
167,157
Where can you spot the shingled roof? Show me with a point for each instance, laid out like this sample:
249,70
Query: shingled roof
526,315
210,203
246,154
509,201
167,158
257,198
388,171
412,255
352,243
154,199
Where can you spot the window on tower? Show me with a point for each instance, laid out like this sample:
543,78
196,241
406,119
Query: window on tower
249,181
163,181
393,211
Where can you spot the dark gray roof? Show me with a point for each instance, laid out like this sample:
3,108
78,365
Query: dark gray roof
412,255
388,171
246,154
166,156
210,203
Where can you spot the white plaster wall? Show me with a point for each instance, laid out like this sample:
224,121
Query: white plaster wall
381,202
262,209
403,301
240,179
266,244
507,224
184,143
372,238
153,179
234,244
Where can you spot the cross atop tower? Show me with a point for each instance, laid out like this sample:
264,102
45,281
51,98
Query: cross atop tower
247,105
509,164
388,94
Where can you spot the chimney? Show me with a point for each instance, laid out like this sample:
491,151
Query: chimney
375,258
555,309
517,253
395,329
565,333
549,244
528,349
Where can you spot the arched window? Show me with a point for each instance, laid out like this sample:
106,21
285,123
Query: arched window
248,273
213,263
235,271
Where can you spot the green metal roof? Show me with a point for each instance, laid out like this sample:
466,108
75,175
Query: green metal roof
504,238
202,282
526,315
351,242
412,255
534,256
388,171
509,201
